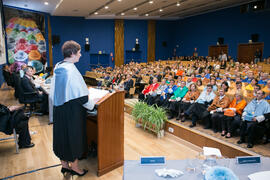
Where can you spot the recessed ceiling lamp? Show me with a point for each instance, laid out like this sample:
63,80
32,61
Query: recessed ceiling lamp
255,7
146,14
106,7
178,4
119,0
96,13
135,9
161,10
122,14
46,3
151,2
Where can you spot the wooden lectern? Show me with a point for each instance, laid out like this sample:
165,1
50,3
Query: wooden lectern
107,131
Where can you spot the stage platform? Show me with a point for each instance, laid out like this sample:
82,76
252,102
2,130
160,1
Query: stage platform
205,137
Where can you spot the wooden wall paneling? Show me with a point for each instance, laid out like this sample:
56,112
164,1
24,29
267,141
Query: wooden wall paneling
215,50
50,42
246,51
204,140
119,42
151,53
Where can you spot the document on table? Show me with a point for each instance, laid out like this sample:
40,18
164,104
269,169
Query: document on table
209,151
263,175
96,94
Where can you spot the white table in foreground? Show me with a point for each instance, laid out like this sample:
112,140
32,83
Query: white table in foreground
134,171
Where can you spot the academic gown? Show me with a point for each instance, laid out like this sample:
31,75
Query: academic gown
69,129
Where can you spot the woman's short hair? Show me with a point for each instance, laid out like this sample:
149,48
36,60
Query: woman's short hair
69,48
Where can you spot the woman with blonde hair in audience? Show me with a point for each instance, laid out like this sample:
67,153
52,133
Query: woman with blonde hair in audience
232,115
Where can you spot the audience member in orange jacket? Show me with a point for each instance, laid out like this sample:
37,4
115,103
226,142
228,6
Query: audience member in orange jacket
232,115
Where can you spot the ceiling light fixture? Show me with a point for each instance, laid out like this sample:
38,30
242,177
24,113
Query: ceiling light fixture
122,14
161,10
106,7
135,9
46,3
96,13
151,2
255,7
178,4
119,0
146,14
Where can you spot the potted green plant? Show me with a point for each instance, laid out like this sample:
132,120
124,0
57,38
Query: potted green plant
150,117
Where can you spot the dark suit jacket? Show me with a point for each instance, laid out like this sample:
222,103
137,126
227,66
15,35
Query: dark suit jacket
128,84
27,85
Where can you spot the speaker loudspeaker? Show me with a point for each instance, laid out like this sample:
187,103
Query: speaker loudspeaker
255,37
87,47
55,39
221,40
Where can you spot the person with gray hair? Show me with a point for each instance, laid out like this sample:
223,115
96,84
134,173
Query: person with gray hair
29,87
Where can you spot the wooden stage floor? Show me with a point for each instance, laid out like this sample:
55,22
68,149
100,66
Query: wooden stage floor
136,143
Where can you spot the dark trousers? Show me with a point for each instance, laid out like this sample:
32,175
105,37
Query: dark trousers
197,110
44,106
253,130
230,124
141,97
23,131
183,106
216,119
150,100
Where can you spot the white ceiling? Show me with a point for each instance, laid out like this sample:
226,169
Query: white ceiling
125,8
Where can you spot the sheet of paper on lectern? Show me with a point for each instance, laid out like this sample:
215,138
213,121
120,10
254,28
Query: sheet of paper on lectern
263,175
96,94
209,151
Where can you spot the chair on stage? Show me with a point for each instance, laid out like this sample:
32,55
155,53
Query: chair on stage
15,138
26,98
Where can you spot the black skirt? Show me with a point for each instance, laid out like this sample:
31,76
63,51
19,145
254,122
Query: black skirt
69,129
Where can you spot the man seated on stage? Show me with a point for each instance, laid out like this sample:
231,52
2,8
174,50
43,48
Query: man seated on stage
127,85
253,119
13,117
149,90
173,102
199,108
216,110
29,87
151,99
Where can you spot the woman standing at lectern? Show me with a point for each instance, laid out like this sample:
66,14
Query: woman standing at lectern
70,98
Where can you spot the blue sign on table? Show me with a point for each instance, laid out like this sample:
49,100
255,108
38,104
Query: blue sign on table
248,159
153,160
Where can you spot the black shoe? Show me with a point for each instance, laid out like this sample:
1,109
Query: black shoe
170,117
178,118
183,119
77,174
27,146
240,141
64,171
192,125
250,145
